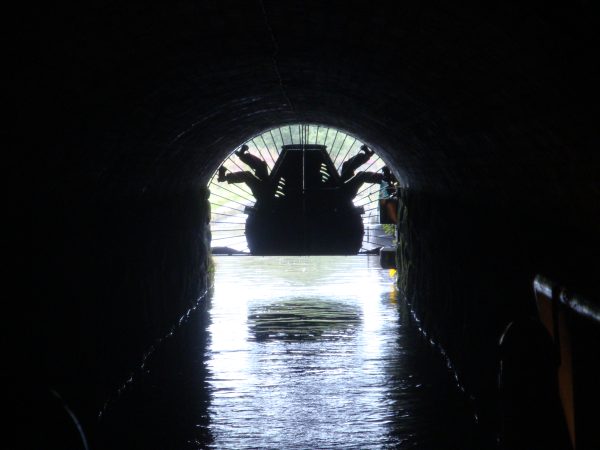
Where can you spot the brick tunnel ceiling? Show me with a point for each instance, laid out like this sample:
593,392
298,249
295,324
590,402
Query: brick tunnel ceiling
455,98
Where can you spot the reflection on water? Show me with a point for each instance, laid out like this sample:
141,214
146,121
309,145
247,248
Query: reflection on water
303,318
312,352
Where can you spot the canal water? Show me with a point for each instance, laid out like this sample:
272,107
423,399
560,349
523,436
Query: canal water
296,353
316,352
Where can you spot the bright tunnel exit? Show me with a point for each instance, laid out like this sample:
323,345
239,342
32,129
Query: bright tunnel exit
300,189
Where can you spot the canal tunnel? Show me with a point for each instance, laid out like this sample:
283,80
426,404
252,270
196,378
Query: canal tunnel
485,113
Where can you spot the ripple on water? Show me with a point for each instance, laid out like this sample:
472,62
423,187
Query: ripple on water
313,353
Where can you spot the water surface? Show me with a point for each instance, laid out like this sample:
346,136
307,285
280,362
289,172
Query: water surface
315,352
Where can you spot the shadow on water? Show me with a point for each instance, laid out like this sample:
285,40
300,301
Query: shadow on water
166,407
431,412
303,318
295,353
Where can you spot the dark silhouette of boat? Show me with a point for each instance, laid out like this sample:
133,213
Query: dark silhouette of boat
304,207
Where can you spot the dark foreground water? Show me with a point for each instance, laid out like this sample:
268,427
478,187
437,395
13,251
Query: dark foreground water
300,353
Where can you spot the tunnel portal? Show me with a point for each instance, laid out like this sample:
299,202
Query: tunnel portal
487,112
312,190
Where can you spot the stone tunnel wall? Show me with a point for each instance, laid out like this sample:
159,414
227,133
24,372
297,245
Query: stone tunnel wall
117,274
466,268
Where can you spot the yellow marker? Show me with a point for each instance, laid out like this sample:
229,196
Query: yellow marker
392,273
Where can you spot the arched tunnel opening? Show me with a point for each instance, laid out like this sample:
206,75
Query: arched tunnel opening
485,113
302,189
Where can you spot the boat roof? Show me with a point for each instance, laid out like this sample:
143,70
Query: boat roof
304,147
